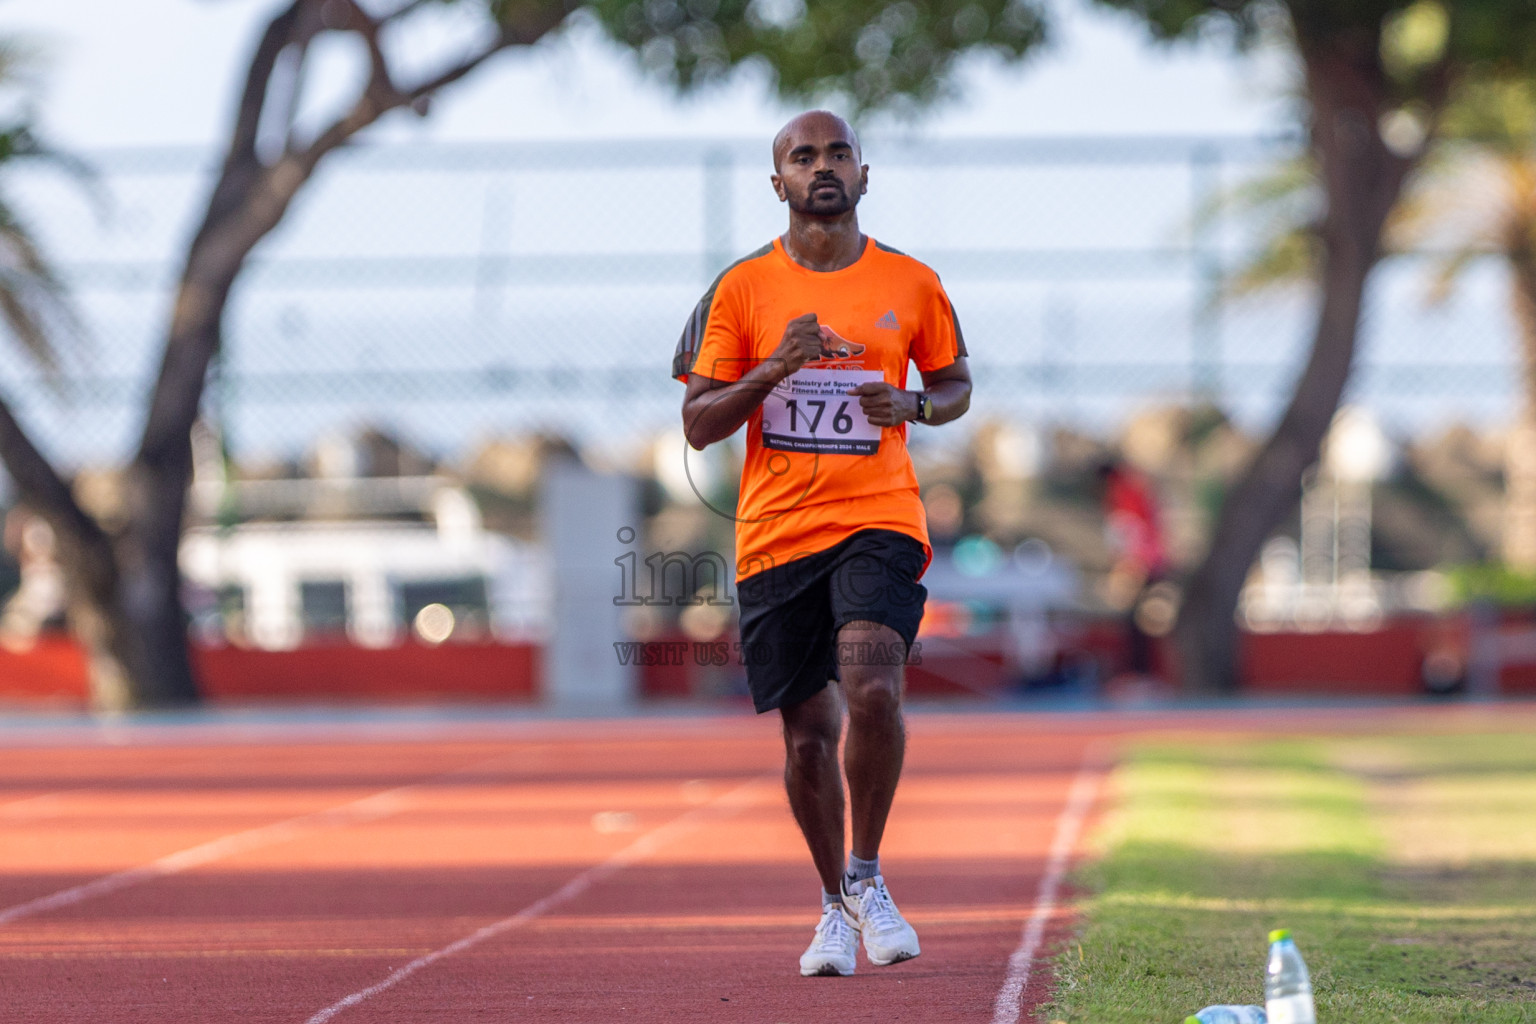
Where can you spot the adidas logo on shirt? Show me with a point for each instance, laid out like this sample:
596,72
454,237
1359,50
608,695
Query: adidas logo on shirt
889,321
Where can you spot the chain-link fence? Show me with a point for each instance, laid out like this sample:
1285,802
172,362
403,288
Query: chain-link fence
450,293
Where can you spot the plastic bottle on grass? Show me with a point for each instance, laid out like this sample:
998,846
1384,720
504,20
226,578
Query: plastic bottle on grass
1226,1014
1287,986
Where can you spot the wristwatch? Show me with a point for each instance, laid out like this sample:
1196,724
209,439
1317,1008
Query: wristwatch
924,407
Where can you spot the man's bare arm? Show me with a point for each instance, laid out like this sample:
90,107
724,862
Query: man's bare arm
714,409
950,388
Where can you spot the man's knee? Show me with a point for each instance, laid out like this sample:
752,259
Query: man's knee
811,739
809,750
873,691
871,659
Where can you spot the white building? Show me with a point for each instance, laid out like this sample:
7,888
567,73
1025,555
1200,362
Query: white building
367,579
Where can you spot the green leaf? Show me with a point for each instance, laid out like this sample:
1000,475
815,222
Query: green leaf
870,54
1415,38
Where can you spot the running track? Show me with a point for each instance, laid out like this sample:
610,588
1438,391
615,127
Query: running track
644,870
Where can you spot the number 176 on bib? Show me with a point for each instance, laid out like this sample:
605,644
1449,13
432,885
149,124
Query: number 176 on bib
811,411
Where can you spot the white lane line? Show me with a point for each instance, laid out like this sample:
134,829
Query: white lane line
49,804
651,842
369,808
1068,826
41,806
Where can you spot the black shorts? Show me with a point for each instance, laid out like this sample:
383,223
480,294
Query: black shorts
790,614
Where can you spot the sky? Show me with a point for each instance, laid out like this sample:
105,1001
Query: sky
166,72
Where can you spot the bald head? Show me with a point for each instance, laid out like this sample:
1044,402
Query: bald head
813,124
817,168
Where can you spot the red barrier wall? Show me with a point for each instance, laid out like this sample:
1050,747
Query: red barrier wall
54,670
468,671
1382,662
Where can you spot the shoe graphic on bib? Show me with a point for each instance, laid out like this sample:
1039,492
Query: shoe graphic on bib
835,346
888,939
834,951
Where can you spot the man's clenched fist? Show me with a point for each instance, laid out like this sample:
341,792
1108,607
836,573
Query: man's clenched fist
801,344
886,405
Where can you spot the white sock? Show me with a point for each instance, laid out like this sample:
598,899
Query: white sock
859,870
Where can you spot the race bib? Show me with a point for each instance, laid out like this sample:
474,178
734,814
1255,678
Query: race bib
811,411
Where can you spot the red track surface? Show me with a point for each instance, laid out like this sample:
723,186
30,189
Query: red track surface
639,870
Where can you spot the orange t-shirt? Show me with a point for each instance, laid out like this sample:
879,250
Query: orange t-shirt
816,470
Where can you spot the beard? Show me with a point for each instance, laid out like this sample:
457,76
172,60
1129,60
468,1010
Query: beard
824,202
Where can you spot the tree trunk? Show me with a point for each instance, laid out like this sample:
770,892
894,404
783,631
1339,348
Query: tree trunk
102,599
1362,179
124,589
155,489
126,658
125,600
1519,541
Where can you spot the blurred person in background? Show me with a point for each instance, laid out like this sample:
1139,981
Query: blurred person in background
39,602
1134,531
807,342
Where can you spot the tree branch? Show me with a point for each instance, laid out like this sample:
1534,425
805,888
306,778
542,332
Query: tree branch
382,94
504,39
380,85
241,162
374,103
40,486
297,54
279,33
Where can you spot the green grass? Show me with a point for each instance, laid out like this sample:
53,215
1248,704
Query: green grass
1405,866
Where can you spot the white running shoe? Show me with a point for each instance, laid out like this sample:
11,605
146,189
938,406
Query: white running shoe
834,951
888,939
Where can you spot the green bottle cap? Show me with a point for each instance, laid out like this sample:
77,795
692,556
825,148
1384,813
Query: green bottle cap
1191,1020
1279,933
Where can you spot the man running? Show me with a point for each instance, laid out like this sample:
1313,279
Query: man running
807,341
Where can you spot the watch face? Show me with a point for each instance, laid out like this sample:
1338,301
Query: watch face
925,408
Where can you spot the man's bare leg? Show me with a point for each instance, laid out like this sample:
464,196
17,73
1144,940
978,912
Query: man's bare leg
813,781
872,756
877,738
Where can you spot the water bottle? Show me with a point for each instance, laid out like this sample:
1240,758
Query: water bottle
1226,1014
1287,987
